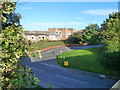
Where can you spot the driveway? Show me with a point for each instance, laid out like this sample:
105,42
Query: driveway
53,75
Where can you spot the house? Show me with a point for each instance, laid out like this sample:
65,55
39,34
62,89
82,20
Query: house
62,33
51,34
39,35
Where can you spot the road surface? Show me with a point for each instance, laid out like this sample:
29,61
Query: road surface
53,75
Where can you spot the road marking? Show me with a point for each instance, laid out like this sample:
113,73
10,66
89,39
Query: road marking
47,51
46,64
71,79
56,66
52,66
49,65
35,68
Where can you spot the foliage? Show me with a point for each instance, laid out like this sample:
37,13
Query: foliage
14,47
111,38
92,27
111,34
111,60
75,38
91,34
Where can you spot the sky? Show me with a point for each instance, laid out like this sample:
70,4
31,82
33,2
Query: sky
39,16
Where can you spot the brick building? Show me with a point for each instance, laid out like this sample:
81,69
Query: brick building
62,33
51,34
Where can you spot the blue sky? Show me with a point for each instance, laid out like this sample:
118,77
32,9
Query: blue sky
39,16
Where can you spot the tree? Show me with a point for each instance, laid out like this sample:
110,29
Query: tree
0,18
112,32
111,38
92,27
91,34
14,47
76,38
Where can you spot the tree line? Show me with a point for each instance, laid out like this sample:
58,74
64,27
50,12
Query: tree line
108,34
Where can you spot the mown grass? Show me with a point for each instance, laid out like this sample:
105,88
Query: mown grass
88,60
41,45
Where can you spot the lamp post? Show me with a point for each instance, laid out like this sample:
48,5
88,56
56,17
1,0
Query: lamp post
61,53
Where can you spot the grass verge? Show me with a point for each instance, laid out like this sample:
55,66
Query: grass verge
41,45
87,60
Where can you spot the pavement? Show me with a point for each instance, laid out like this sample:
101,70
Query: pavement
52,75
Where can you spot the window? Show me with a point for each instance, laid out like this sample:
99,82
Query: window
32,37
39,37
60,32
56,32
43,37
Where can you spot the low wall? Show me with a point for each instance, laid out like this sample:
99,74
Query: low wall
45,49
67,45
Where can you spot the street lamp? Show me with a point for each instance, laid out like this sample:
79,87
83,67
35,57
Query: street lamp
61,53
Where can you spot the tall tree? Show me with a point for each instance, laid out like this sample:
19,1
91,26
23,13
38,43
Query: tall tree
91,34
14,47
92,27
112,32
111,37
76,38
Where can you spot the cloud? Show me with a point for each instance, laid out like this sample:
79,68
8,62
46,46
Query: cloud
39,26
100,11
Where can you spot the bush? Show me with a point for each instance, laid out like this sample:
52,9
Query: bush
111,39
14,47
111,60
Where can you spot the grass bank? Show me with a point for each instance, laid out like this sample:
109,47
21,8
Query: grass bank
88,60
41,45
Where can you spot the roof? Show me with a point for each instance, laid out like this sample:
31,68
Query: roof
62,28
37,33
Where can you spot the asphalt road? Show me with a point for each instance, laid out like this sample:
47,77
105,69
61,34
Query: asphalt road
53,75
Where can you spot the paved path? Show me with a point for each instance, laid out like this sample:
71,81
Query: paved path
51,74
51,54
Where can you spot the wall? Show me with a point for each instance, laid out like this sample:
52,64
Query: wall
62,33
52,37
58,34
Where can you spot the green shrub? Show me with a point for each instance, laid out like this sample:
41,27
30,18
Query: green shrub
111,34
111,60
14,46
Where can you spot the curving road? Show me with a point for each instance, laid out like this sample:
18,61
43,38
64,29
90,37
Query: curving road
53,75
